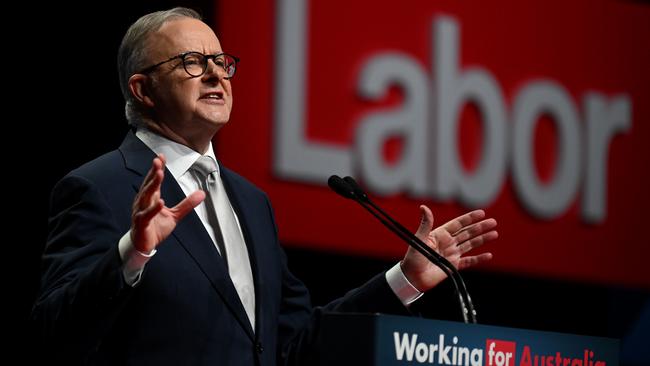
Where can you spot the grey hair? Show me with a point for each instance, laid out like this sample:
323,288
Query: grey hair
131,55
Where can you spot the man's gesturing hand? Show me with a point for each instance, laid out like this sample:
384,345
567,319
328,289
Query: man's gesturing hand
151,220
451,240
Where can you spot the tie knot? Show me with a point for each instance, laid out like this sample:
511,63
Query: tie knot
205,166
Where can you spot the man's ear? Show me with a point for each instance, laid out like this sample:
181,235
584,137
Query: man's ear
140,90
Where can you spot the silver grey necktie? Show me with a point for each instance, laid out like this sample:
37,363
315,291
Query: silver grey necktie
205,168
227,232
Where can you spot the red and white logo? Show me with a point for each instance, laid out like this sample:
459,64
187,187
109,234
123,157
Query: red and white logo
500,353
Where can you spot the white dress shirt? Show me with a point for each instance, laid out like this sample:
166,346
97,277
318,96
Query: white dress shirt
179,159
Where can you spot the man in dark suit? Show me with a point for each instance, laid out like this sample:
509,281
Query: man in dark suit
167,263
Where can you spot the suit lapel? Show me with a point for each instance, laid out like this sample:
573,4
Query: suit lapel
189,232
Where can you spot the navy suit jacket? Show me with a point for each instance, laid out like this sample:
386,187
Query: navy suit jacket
185,309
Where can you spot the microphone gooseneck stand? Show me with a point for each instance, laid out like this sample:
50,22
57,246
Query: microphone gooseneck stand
348,188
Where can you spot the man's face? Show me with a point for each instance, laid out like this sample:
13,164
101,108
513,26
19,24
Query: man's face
190,106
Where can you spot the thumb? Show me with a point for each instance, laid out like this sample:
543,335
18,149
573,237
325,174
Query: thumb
426,222
185,206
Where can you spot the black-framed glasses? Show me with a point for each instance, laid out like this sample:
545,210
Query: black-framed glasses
195,63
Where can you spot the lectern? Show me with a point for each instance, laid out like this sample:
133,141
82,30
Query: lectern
382,340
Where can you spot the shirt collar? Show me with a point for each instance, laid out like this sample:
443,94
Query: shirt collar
180,158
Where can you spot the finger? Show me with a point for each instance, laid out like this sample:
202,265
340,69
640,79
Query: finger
426,222
188,204
151,188
477,241
147,195
146,180
460,222
156,165
474,230
144,217
474,260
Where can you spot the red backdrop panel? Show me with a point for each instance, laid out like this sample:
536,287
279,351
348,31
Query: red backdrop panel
584,46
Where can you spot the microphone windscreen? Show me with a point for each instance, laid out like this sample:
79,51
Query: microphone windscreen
356,188
338,185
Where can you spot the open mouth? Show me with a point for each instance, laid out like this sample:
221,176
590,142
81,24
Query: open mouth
217,95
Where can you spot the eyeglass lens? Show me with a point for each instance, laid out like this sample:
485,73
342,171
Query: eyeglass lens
196,63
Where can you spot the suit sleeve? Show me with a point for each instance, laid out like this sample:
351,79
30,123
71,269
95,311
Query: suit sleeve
82,287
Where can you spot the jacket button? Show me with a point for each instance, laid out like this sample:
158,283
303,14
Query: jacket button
258,347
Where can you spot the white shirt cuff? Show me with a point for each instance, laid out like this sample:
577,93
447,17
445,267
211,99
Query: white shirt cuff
405,291
132,259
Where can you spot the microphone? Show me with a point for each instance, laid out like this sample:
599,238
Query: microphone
348,188
356,188
338,185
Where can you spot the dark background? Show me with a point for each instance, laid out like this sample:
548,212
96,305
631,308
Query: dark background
67,108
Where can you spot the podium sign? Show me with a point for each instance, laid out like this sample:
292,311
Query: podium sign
382,340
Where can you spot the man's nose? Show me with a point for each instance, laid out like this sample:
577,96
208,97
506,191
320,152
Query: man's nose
215,70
